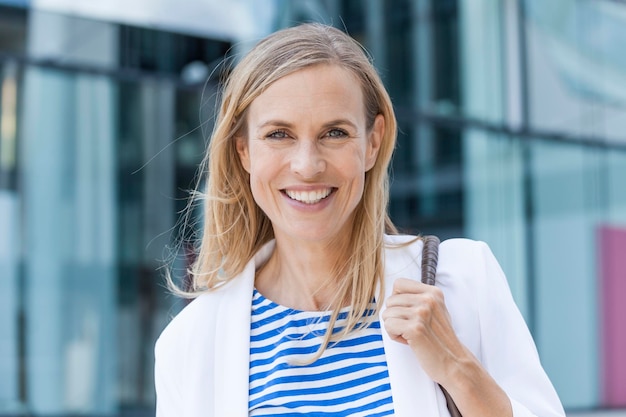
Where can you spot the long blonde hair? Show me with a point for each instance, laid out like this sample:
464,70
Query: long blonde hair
235,228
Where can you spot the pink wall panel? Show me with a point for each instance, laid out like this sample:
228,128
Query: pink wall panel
612,258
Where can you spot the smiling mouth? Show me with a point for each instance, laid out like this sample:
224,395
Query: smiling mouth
309,197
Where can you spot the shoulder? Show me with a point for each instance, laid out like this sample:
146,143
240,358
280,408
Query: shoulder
466,263
462,262
462,257
463,252
403,255
186,345
174,350
460,249
187,324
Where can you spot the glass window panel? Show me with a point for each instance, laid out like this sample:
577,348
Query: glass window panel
568,206
12,344
576,71
12,29
68,192
481,64
98,174
494,209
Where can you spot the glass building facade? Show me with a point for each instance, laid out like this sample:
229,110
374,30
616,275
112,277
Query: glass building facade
512,116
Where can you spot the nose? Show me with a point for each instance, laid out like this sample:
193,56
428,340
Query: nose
307,159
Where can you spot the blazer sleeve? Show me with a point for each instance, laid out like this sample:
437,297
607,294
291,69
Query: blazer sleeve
508,351
169,402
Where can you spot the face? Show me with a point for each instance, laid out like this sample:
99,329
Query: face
307,150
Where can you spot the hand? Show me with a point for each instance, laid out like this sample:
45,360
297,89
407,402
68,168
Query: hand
416,315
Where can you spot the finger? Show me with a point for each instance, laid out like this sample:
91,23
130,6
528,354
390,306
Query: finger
415,316
395,328
434,322
401,312
423,332
405,285
430,297
402,300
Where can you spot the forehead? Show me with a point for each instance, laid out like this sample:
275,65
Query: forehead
316,92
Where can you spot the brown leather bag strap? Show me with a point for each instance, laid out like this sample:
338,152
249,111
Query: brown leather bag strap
430,257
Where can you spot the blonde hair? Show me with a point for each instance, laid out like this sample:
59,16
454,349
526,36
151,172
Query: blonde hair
235,228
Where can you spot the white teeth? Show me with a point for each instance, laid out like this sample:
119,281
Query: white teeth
309,197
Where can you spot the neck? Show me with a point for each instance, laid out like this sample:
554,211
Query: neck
302,276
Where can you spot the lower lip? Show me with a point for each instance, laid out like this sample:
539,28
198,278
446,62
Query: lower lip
310,207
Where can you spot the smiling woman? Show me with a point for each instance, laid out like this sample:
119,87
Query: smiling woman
307,302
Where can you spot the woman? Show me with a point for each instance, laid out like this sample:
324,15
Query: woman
297,241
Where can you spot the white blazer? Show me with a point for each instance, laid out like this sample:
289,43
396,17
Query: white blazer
202,356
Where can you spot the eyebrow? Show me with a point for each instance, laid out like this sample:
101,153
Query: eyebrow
283,123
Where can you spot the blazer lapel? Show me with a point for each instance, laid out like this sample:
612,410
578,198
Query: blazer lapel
232,341
414,393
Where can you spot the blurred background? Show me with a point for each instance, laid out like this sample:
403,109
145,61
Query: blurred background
512,118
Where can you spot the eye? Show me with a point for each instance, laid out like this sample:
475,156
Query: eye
337,134
277,134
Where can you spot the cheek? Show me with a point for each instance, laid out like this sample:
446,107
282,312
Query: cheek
258,188
263,170
352,171
262,163
352,164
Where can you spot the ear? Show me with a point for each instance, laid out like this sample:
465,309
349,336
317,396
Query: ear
375,137
241,143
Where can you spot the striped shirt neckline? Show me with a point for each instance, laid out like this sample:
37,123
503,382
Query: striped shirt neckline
349,379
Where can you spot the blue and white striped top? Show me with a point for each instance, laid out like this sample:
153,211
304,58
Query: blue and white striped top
350,379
